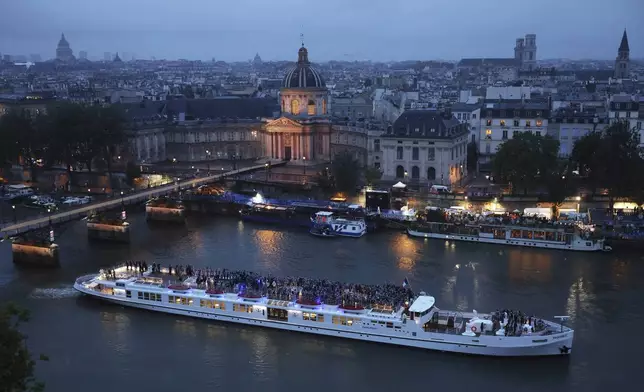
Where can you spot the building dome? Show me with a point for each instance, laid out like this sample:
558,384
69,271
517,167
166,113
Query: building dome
303,75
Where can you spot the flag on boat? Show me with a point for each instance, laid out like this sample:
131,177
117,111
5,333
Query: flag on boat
405,283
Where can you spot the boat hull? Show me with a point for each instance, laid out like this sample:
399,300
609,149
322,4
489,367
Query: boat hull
518,242
304,222
433,341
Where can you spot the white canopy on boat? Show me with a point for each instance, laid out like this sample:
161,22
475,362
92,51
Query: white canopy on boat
422,303
399,185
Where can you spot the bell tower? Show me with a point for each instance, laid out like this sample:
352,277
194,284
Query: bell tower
622,62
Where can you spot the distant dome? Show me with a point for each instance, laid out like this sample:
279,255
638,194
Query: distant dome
62,43
303,75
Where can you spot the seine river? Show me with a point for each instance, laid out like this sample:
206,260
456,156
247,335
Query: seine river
99,347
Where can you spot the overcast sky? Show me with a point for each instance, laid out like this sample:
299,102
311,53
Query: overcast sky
333,29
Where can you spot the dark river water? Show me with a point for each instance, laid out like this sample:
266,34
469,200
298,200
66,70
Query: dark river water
99,347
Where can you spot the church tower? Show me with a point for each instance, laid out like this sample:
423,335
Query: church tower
622,62
530,52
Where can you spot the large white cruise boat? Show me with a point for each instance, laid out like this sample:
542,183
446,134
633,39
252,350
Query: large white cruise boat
562,237
415,322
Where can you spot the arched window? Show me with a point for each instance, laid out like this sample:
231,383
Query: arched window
311,107
283,106
400,172
415,173
324,106
431,174
295,107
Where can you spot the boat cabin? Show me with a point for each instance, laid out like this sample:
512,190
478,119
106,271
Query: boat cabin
420,310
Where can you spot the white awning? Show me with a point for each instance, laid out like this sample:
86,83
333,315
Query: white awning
422,303
399,185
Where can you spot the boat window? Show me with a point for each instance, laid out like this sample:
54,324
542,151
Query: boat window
243,308
120,284
128,293
341,320
179,300
390,325
539,340
212,304
515,234
312,317
277,314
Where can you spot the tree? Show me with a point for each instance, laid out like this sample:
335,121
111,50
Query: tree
586,156
559,186
526,160
372,174
472,157
132,171
612,160
345,172
22,141
16,363
65,127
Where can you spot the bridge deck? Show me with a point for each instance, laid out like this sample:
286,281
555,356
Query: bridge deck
82,211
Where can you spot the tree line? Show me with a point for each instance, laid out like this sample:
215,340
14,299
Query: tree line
75,136
610,159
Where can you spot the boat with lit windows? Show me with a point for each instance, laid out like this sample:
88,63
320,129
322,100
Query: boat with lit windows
345,227
382,314
562,237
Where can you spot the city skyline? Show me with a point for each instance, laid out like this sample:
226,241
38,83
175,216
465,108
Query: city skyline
334,33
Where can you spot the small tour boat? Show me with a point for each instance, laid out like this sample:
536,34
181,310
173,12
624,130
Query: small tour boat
346,227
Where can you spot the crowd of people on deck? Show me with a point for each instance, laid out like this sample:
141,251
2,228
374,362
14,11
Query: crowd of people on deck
137,266
325,291
516,322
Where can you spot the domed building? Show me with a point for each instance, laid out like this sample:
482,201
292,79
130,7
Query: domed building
63,51
302,133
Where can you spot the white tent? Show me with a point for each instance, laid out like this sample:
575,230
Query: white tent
399,185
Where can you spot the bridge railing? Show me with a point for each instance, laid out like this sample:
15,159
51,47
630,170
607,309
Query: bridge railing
82,211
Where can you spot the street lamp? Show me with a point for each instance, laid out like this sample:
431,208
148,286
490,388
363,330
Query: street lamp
304,159
266,170
15,218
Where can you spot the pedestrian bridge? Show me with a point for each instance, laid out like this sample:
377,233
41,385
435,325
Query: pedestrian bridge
82,211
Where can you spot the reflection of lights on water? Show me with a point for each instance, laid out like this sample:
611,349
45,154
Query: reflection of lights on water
268,241
115,326
240,226
187,327
406,251
580,298
529,265
405,263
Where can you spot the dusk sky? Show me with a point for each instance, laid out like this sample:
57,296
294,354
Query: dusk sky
379,30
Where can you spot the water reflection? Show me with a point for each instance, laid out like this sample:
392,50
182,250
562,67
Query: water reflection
529,265
186,327
269,242
115,328
580,299
407,251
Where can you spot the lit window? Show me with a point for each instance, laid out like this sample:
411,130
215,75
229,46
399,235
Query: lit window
311,108
528,123
539,123
489,123
295,107
488,134
502,123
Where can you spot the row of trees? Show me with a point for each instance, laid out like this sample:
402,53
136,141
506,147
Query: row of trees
73,135
610,160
